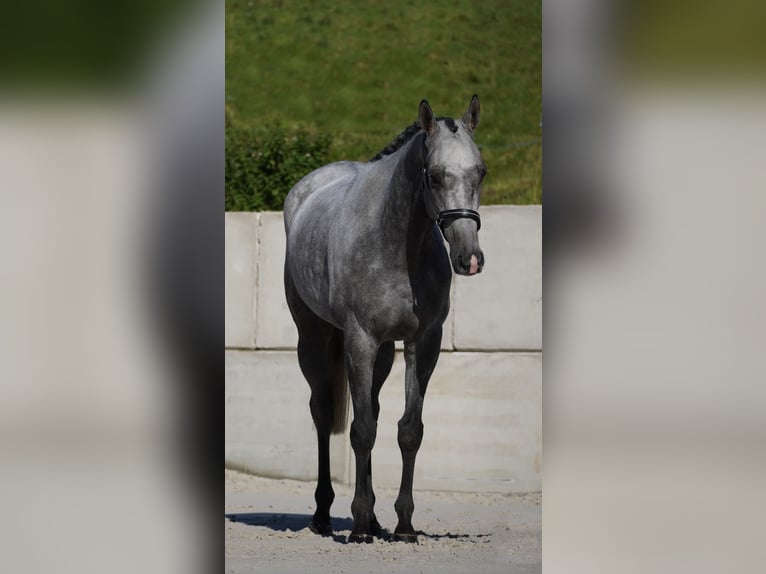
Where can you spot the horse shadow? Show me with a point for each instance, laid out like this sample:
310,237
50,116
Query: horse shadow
284,522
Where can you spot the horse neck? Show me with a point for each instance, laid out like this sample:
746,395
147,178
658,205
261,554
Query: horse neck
405,212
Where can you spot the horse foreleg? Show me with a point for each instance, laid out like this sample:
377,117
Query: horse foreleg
383,363
420,358
361,353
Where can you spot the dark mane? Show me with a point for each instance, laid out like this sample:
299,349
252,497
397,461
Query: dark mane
409,132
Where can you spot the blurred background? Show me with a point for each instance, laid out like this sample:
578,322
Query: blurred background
654,402
111,241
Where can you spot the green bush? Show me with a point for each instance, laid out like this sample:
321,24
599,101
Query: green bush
262,167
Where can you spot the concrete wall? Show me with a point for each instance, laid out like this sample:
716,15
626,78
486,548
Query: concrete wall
482,412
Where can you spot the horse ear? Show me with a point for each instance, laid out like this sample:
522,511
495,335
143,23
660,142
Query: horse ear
426,118
471,117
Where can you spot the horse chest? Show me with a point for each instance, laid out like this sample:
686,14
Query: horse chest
397,308
401,321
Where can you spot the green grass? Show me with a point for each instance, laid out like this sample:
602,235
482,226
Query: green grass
358,71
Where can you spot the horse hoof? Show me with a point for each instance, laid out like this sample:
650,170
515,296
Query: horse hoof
409,538
408,535
321,528
360,537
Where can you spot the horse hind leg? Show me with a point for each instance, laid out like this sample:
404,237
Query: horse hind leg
320,356
320,359
320,367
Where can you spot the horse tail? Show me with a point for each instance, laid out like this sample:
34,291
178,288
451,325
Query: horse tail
339,383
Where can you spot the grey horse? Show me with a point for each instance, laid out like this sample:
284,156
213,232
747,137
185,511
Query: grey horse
366,266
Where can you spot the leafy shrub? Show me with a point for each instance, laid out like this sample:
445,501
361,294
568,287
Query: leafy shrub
262,167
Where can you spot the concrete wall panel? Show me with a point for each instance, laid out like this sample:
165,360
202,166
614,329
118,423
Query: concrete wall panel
275,328
241,234
482,417
268,423
501,309
483,424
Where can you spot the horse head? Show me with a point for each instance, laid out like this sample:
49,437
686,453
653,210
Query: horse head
452,174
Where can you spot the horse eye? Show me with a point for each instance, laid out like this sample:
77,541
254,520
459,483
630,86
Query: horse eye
483,172
435,178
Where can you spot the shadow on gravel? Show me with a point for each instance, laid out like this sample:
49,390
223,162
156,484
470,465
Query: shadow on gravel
296,522
451,535
284,522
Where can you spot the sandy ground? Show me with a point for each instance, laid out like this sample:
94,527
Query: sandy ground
267,531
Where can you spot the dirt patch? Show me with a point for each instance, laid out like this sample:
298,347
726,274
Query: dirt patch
267,531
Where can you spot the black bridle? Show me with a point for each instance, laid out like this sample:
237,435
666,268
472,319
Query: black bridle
447,216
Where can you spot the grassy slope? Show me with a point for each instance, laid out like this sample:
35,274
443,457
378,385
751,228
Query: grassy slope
358,72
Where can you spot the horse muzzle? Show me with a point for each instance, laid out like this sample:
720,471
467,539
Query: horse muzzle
469,264
467,258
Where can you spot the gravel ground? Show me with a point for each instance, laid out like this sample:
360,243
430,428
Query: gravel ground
267,531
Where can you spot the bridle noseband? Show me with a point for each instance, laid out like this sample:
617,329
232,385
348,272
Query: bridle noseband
447,216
